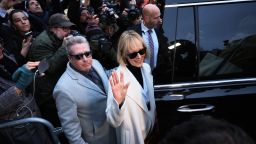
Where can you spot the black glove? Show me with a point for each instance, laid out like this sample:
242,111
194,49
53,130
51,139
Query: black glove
23,77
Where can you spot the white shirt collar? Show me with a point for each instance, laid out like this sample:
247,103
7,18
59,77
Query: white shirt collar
143,27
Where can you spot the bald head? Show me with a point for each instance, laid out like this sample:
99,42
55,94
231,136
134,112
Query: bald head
151,16
149,9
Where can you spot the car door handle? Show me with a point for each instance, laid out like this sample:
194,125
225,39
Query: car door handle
176,96
195,108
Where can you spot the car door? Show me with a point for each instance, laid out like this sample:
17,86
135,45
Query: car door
213,47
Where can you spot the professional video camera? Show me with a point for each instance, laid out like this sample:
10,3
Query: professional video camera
90,10
110,13
133,13
109,16
101,43
111,4
103,50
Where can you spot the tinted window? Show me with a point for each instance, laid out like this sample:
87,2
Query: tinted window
180,29
185,51
213,41
227,40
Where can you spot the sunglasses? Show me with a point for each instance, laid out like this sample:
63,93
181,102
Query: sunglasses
134,54
81,55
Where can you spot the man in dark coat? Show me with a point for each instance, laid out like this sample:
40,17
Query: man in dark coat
161,67
49,45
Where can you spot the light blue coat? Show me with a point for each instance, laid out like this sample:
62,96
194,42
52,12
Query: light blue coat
133,121
81,106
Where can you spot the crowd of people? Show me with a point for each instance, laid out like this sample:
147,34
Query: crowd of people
103,59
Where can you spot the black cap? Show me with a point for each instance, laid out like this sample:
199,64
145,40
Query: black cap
59,19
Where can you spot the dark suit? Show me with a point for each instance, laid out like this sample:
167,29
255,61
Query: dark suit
163,70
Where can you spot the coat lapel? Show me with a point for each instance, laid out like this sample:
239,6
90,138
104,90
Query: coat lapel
99,69
135,89
82,80
149,82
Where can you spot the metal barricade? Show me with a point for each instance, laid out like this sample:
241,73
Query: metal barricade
52,131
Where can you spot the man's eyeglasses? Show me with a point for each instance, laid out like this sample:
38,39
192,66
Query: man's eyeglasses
134,54
81,55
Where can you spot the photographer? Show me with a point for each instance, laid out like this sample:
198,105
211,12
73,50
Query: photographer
114,22
80,14
131,17
49,45
110,23
101,46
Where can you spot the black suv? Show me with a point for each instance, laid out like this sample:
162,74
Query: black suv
213,52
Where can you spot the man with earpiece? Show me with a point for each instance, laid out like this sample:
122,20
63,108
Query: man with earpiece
16,103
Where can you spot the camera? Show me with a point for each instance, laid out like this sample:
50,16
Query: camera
103,50
108,17
111,13
100,43
90,11
133,13
104,44
110,4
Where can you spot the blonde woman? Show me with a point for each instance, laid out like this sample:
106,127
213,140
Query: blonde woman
131,104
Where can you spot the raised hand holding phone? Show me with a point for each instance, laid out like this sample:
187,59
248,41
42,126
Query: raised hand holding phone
26,43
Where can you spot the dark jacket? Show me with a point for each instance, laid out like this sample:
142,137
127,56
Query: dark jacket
163,70
48,46
14,47
13,43
15,106
39,22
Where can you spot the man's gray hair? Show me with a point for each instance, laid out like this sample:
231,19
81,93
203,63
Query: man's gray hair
75,40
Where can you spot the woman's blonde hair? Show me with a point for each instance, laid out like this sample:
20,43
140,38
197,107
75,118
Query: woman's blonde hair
125,42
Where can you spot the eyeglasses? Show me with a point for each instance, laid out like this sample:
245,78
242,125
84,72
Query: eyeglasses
134,54
81,55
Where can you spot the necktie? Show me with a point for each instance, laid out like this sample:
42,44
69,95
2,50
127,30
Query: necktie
151,46
96,79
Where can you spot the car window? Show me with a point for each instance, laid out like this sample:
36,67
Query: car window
211,42
227,40
185,51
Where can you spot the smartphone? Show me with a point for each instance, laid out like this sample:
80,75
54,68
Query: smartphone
43,66
27,34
